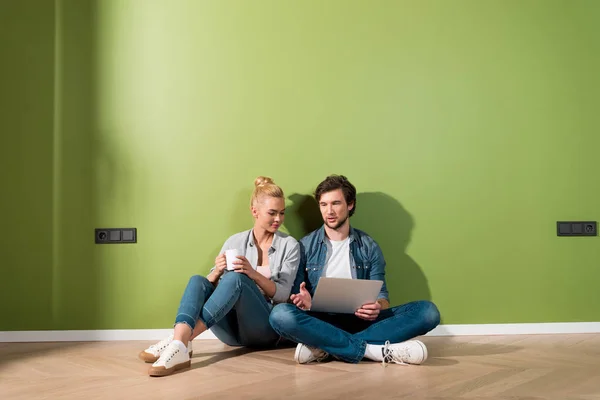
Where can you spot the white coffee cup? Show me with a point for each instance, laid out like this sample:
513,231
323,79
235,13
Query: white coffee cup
231,256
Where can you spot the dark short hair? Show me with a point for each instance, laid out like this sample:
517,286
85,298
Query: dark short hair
334,182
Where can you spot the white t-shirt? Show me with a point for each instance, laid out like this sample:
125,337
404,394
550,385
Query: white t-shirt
337,263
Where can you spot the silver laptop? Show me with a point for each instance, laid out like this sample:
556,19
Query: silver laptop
345,296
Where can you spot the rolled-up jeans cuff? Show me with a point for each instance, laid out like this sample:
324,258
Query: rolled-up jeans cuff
185,319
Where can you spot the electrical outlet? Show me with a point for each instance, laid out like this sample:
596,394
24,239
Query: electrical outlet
115,235
576,228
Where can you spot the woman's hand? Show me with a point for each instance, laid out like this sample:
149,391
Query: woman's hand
220,266
220,263
243,266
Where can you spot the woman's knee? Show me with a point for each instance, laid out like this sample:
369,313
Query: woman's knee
199,281
233,278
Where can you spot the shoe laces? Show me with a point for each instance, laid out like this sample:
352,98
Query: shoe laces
160,346
170,352
320,355
394,354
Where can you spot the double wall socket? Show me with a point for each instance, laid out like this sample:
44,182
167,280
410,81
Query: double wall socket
115,235
576,228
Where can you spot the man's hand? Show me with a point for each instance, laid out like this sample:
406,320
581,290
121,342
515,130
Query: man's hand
302,300
369,312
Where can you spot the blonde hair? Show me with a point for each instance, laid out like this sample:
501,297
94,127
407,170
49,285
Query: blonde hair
264,186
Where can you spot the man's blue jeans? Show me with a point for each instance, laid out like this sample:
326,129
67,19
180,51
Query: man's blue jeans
346,336
235,311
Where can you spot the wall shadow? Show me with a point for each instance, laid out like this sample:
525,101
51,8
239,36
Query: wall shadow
302,216
50,59
26,165
76,276
388,222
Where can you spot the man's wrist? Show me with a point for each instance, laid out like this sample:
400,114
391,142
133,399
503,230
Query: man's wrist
384,303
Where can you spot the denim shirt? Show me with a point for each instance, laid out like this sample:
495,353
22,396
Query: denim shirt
366,260
284,256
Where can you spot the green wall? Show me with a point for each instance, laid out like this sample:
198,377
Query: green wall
468,127
26,163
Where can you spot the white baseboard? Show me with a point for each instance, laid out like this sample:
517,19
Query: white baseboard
516,329
157,334
91,336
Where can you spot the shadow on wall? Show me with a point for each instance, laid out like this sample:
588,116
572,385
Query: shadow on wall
302,216
388,222
384,219
78,277
26,164
51,63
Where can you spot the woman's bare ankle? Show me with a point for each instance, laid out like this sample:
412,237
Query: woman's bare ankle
182,333
200,327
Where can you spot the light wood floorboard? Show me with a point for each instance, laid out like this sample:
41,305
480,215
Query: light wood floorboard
561,367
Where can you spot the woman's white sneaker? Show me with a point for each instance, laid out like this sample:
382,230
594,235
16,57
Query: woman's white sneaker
152,353
173,358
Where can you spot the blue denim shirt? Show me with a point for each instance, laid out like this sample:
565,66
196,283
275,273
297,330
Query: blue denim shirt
366,260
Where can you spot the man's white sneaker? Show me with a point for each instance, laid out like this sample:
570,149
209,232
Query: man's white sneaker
306,354
172,359
409,352
152,353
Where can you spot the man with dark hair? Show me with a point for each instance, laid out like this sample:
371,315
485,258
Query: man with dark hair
376,331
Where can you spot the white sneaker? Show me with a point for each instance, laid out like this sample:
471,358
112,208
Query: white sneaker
306,354
409,352
172,359
152,353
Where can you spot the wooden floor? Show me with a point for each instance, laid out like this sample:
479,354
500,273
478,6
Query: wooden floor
484,367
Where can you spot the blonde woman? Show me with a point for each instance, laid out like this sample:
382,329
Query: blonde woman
236,304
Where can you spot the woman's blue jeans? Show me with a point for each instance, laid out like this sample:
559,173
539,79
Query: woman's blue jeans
235,311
